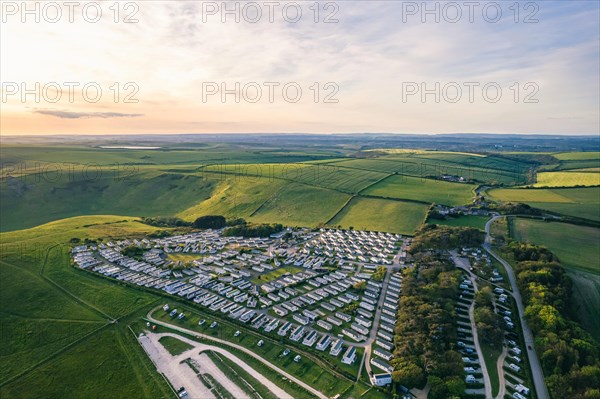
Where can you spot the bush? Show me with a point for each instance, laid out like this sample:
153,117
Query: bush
210,222
165,221
259,230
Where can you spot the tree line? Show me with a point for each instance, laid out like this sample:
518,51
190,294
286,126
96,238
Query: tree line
569,355
425,332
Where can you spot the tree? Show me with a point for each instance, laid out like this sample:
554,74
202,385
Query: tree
361,285
379,273
456,386
408,374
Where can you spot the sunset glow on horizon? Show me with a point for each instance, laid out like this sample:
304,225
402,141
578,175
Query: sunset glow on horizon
337,67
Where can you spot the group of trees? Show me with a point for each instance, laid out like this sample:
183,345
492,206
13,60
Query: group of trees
425,332
512,208
202,222
523,251
133,251
379,273
256,230
432,236
570,357
487,320
210,222
165,221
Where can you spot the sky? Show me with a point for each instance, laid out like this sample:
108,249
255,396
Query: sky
142,67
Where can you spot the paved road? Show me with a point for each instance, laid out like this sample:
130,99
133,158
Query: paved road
238,347
487,384
373,333
536,368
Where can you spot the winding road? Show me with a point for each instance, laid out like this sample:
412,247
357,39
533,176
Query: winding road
534,361
463,264
373,334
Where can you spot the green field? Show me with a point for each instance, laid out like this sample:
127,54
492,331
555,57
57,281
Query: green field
567,179
577,249
381,215
426,190
586,296
302,187
482,169
578,156
300,205
465,220
576,246
578,202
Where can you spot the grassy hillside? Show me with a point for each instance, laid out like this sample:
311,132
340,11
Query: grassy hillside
576,246
578,251
482,169
30,201
58,341
426,190
586,297
234,196
301,187
381,215
300,205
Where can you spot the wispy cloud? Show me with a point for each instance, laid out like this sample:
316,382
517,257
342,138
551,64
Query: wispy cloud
79,115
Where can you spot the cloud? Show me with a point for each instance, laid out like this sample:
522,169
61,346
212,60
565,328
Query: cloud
84,115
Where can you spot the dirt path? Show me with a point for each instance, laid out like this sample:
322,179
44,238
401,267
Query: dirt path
501,380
